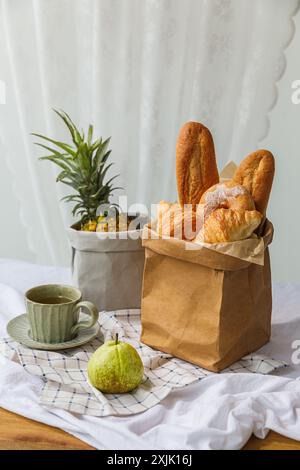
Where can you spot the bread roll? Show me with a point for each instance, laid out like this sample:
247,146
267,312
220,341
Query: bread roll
256,173
228,195
196,168
175,221
228,225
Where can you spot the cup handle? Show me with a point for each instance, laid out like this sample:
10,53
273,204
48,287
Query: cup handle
91,310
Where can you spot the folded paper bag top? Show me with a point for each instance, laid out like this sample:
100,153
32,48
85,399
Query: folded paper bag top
209,306
104,242
228,171
229,256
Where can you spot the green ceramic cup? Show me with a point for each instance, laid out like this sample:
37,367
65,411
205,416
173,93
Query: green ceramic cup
53,313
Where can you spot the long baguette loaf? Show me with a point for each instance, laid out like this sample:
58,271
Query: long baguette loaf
256,173
196,168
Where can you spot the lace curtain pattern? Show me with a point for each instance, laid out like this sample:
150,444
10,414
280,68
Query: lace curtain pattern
137,69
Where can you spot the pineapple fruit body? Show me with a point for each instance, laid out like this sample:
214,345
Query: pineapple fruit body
107,224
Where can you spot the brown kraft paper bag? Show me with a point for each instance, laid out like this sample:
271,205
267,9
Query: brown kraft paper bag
209,306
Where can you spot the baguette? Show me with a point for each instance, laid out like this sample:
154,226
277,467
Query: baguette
196,168
256,173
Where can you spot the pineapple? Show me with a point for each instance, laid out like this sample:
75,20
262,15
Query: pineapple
89,226
102,225
83,167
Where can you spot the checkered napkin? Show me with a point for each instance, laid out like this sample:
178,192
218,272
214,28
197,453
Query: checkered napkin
65,372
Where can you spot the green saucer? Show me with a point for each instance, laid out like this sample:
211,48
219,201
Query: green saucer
18,329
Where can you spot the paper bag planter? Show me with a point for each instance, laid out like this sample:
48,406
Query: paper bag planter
108,271
211,305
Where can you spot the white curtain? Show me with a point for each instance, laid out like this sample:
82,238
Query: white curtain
137,69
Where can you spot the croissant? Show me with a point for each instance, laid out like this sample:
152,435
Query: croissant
228,225
256,173
175,221
196,168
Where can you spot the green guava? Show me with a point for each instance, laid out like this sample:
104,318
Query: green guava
115,367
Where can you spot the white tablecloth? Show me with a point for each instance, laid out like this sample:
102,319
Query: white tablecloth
219,412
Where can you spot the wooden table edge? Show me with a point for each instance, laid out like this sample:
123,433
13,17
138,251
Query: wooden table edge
20,433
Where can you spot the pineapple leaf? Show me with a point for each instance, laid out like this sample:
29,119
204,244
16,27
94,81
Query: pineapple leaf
101,149
83,156
62,175
97,193
75,134
83,187
115,188
99,143
103,173
66,174
71,197
90,134
111,179
95,145
61,145
100,159
69,183
77,207
60,163
55,152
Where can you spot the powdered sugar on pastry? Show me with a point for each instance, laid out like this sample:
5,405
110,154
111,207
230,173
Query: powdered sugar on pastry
229,195
221,193
221,196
